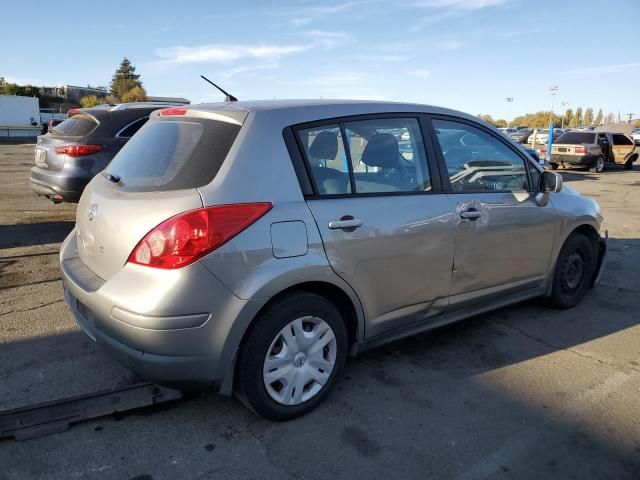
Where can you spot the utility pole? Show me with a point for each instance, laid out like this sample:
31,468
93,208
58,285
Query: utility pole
553,91
628,121
564,105
509,102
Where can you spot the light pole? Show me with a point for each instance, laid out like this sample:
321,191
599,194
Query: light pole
509,102
564,105
553,91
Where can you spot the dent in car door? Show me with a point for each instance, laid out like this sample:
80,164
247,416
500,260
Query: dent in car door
503,238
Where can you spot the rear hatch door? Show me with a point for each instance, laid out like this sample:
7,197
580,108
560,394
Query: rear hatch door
154,177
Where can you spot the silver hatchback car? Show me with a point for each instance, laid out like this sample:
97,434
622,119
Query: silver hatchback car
252,246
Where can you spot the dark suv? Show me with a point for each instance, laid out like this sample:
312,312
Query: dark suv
73,152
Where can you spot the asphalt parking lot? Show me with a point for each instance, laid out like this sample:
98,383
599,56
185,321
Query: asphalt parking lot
523,392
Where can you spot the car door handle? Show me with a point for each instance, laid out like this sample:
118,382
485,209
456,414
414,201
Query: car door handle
470,214
339,224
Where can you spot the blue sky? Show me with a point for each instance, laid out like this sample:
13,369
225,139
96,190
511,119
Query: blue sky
463,54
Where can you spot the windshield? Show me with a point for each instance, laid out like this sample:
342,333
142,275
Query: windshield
76,126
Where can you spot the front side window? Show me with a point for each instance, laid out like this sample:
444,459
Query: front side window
477,161
619,139
368,156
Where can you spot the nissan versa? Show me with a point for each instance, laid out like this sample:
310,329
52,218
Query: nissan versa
252,246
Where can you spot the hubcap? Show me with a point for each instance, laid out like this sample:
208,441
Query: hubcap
573,271
599,164
299,361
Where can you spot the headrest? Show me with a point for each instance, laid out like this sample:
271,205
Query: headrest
381,151
324,146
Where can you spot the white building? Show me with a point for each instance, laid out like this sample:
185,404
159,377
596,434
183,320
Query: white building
18,116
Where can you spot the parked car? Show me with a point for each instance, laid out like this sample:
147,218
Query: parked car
75,150
635,135
593,150
542,135
521,135
254,245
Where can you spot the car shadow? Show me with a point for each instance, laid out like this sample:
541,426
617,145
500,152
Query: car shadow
29,234
463,401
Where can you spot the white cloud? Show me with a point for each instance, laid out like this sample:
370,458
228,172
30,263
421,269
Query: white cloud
449,45
460,4
306,14
444,9
227,74
327,39
420,73
619,68
226,53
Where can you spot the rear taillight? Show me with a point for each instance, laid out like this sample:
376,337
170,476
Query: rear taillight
173,111
78,150
188,236
72,112
582,150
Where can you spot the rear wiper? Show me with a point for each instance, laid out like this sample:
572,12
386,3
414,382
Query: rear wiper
112,178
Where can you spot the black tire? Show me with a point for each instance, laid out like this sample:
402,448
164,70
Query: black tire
598,165
574,271
554,166
628,165
250,383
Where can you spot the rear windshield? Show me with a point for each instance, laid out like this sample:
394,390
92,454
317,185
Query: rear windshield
576,137
173,155
76,126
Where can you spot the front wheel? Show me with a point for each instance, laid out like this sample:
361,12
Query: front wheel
574,271
598,166
628,165
292,357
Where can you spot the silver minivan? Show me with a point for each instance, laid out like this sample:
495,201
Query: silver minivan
253,246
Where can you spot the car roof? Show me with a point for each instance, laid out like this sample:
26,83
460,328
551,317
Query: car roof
284,113
323,107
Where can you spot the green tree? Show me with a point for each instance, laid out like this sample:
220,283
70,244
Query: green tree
124,79
568,117
599,118
588,116
500,123
136,94
578,117
636,124
90,101
537,120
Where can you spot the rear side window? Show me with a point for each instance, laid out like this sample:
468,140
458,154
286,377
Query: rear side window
174,155
132,128
367,157
77,126
576,138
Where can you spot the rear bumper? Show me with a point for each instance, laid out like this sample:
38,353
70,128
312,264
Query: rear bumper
580,160
57,185
180,329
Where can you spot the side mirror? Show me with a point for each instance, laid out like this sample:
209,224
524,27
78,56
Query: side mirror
551,182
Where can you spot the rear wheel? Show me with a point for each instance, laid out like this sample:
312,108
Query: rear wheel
292,357
628,165
598,165
575,267
554,166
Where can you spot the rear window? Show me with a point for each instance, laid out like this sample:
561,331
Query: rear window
173,155
76,126
576,137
